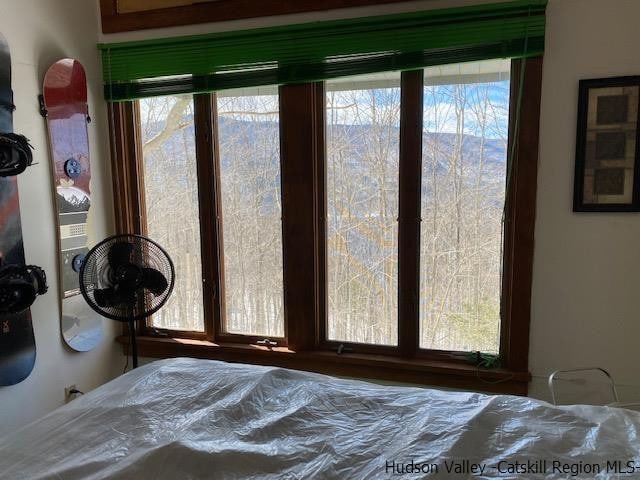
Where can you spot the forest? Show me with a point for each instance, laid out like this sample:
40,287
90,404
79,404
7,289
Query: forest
463,194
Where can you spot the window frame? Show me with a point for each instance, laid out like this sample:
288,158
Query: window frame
410,146
211,183
303,191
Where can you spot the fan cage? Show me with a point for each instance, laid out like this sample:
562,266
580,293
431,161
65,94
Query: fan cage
96,273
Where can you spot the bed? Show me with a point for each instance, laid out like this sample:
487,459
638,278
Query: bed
198,419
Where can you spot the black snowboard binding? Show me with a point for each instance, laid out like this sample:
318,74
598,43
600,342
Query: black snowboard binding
15,154
19,287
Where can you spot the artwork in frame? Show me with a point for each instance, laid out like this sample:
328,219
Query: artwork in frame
607,176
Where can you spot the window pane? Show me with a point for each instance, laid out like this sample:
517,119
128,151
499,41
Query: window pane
248,131
466,110
363,115
171,198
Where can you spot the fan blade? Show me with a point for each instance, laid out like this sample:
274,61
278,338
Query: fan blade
104,297
120,254
113,297
154,281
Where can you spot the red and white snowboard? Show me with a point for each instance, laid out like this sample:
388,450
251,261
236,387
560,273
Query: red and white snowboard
65,108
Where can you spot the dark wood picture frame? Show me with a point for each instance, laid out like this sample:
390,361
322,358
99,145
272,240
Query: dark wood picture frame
114,20
587,163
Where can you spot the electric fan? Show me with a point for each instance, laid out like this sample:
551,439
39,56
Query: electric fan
127,278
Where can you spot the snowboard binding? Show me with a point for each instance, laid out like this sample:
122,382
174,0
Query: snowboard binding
19,287
15,154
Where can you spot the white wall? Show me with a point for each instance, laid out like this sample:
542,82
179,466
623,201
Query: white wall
586,277
39,32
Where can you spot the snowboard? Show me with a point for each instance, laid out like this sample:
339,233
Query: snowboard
64,105
17,341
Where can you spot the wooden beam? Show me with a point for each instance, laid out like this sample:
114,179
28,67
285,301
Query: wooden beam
127,176
411,106
299,159
520,215
206,139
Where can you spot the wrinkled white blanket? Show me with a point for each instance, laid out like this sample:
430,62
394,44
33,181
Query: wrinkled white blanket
197,419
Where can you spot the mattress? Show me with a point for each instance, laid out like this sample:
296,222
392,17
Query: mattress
197,419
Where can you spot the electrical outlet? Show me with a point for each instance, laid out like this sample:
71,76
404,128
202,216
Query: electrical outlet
68,396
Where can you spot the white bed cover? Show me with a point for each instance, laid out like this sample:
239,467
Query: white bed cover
197,419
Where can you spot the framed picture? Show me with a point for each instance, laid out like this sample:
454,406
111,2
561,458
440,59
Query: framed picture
607,177
128,15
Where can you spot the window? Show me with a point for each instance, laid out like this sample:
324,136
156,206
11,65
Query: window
248,133
374,216
464,168
363,120
171,200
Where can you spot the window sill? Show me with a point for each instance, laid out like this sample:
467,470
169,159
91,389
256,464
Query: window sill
368,366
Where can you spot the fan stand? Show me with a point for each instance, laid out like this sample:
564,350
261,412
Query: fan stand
134,343
126,278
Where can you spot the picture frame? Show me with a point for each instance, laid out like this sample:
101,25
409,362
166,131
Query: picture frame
607,164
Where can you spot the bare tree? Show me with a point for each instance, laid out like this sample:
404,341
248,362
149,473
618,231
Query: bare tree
463,190
171,191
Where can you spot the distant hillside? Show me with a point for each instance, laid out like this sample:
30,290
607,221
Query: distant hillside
495,149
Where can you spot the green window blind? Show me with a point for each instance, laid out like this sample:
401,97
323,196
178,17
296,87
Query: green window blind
322,50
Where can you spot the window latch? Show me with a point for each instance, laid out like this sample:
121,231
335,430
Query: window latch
154,332
342,349
267,343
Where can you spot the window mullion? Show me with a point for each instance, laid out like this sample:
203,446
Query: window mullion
320,183
520,215
411,119
127,167
141,214
208,181
299,152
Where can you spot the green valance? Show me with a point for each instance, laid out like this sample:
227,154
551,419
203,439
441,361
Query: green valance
322,50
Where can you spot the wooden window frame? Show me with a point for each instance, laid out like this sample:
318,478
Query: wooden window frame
303,171
410,168
212,180
114,21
